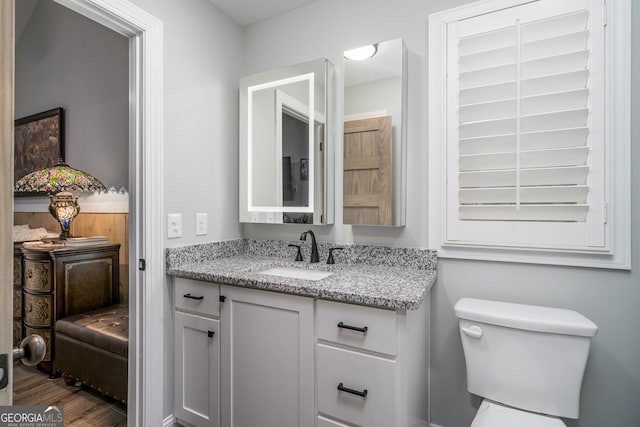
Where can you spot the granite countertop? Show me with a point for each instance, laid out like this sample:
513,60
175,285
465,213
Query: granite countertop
359,279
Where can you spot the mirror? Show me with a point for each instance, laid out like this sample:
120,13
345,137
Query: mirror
374,163
286,147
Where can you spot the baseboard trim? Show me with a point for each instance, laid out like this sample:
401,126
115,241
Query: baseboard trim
170,421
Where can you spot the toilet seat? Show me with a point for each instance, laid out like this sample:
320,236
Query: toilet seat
492,414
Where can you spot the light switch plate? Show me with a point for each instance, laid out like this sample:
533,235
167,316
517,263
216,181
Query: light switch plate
174,226
201,224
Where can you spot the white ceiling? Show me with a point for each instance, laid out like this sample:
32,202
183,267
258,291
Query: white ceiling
246,12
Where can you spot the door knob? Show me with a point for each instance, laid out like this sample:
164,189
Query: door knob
31,350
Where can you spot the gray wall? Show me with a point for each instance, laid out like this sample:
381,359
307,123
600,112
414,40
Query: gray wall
66,60
202,50
611,390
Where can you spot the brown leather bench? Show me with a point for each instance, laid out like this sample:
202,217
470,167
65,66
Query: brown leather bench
92,348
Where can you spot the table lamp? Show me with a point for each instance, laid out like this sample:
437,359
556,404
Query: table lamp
60,179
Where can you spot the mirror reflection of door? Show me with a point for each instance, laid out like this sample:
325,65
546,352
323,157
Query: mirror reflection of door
367,192
295,166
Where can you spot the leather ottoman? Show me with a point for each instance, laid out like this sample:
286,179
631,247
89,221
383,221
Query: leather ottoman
92,348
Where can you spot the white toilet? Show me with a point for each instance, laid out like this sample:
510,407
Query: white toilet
526,361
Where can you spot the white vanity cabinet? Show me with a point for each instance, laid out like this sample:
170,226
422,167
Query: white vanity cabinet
197,353
247,357
267,358
372,365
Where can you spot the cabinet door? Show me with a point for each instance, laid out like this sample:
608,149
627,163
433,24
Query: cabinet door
197,370
267,359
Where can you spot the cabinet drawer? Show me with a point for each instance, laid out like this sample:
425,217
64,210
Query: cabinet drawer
197,296
356,372
37,276
362,327
38,309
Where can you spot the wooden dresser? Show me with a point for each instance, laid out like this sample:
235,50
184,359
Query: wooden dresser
17,296
60,282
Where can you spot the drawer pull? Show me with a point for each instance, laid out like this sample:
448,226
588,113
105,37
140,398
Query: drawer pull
362,393
353,328
193,297
210,334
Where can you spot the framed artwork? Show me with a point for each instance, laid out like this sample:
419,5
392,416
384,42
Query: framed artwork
39,143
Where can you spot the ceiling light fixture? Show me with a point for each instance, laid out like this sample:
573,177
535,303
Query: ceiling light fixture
360,53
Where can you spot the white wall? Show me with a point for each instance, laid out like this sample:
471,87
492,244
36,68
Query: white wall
201,67
66,60
610,298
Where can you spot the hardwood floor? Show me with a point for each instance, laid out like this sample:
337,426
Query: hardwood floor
82,405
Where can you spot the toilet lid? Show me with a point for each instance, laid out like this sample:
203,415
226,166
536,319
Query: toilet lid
491,414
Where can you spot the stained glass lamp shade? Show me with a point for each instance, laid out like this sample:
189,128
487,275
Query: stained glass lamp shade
60,179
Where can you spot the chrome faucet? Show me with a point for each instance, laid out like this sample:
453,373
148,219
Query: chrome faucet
314,245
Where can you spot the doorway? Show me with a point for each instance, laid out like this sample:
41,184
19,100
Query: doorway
146,274
79,68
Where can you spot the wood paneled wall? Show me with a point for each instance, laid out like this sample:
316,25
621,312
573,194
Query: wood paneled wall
113,225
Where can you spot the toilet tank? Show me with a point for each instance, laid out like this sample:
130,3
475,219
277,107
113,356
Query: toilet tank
525,356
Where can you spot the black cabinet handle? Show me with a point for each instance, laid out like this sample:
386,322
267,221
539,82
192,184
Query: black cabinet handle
192,297
353,328
210,334
222,298
362,393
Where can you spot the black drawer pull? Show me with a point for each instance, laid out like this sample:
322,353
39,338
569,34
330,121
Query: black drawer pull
210,334
353,328
362,393
192,297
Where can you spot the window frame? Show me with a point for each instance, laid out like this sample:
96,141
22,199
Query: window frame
618,134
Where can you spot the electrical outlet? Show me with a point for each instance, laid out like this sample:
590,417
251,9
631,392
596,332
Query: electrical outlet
201,224
174,226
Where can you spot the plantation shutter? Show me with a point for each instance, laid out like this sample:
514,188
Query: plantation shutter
525,127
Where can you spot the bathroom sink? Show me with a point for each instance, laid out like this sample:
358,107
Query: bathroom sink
297,273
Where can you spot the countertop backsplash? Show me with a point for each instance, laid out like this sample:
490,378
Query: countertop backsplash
422,259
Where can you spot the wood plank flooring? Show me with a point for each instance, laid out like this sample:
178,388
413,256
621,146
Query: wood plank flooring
82,405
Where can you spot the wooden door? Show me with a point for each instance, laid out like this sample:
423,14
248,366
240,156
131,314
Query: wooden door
367,192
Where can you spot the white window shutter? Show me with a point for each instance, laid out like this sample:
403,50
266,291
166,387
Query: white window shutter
525,128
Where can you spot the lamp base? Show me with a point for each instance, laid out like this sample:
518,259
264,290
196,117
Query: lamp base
64,208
